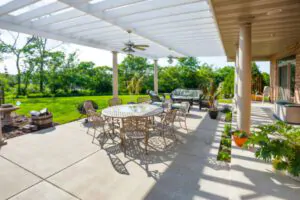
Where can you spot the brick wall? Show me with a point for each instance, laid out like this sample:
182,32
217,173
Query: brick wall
297,79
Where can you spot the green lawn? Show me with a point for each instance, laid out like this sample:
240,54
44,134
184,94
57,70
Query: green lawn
64,109
227,101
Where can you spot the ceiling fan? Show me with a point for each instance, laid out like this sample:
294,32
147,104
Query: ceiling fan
171,59
131,47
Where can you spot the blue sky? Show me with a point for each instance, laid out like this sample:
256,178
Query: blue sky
103,57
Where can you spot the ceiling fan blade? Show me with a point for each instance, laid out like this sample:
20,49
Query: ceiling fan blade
139,48
142,45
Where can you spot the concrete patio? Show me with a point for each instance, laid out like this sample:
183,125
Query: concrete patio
62,163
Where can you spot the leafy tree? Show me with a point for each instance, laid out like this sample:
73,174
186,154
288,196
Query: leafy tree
18,50
134,85
102,80
128,69
266,79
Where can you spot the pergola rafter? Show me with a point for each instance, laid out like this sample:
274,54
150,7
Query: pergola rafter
103,24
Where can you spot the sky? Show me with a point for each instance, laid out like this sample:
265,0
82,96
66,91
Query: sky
102,57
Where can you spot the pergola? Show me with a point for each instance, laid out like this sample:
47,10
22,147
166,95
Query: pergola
170,27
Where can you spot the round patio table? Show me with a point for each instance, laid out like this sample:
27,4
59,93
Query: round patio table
132,110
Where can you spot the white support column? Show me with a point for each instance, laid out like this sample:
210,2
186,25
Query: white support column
236,74
115,74
244,79
155,76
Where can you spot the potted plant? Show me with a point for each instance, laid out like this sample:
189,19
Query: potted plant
278,143
239,137
213,94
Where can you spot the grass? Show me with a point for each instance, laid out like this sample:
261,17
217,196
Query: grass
64,109
227,101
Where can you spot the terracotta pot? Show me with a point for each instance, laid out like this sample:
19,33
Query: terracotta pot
239,141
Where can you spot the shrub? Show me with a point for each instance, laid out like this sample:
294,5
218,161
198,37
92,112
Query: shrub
224,153
228,116
280,144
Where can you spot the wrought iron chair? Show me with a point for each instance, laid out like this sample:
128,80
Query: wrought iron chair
182,113
143,99
99,124
167,124
88,106
114,102
134,128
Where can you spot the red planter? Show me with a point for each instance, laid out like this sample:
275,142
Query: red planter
239,141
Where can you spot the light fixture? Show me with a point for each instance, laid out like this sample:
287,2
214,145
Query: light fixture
274,11
170,59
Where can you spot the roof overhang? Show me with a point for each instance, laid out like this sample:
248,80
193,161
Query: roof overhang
171,27
275,25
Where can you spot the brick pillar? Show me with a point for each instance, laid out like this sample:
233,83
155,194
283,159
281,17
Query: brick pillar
297,79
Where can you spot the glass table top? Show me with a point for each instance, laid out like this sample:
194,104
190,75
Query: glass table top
132,110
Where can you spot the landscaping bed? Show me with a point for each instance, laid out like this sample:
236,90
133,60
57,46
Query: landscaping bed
224,153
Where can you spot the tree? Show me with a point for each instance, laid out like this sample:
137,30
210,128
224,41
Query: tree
17,49
132,65
134,85
102,80
190,62
266,79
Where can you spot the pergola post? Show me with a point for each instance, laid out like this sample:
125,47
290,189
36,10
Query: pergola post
155,76
115,74
244,79
236,74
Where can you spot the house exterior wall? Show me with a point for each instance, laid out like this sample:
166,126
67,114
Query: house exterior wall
274,77
297,79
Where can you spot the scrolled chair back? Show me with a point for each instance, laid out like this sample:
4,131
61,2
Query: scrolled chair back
185,106
143,99
88,105
114,102
95,118
135,127
169,117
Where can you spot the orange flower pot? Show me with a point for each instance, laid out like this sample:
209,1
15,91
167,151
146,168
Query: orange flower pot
239,141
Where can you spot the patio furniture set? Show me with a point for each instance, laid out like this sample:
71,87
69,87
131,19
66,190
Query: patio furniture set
192,96
135,121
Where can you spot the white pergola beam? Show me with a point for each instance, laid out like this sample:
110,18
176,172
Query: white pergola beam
44,10
28,30
185,26
67,39
57,18
101,16
75,22
145,7
157,16
15,5
104,5
85,27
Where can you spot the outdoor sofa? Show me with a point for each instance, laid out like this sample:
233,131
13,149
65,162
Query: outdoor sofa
190,95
